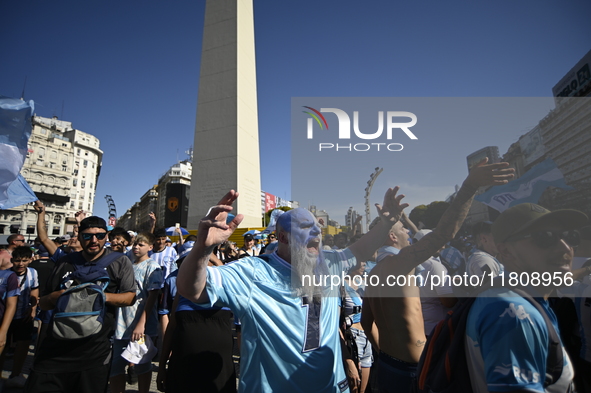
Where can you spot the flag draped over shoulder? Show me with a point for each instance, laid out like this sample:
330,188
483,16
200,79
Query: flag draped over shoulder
528,188
15,130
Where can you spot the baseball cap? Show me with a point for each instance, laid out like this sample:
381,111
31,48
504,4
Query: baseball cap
520,218
93,222
248,237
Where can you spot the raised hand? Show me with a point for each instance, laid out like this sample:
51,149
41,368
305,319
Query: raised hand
483,174
39,206
213,229
391,210
79,216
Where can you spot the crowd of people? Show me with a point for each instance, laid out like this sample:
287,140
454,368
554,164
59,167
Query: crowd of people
348,312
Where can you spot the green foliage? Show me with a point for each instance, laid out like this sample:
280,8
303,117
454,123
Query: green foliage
434,212
418,214
429,215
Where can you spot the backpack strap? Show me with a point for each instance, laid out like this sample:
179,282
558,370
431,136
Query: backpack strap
78,261
555,359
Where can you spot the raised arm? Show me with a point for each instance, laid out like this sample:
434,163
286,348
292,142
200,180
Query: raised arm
42,228
451,221
152,218
389,214
213,230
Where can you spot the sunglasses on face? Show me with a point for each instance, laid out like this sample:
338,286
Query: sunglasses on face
19,240
99,236
548,239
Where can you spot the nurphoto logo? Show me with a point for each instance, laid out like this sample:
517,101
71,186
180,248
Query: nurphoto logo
395,121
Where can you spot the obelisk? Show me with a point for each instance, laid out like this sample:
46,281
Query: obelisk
226,146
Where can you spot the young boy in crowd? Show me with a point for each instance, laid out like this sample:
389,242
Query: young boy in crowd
140,319
21,327
119,239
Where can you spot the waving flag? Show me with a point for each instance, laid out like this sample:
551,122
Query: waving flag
528,188
15,130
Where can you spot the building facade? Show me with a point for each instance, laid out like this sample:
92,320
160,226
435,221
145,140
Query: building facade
62,167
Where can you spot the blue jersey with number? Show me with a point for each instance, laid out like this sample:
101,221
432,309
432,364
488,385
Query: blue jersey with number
289,344
507,344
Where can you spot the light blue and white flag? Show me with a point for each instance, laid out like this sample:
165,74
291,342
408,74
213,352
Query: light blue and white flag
15,130
528,188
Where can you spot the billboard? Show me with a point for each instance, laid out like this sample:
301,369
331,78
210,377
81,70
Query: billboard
177,204
575,80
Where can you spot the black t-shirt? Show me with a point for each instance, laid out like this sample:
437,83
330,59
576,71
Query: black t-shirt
59,356
44,268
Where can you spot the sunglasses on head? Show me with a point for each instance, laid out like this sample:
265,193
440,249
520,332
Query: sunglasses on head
99,236
547,239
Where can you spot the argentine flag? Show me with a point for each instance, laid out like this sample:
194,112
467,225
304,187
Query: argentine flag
528,188
15,130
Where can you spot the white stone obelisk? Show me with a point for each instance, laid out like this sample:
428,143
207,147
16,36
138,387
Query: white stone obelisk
226,147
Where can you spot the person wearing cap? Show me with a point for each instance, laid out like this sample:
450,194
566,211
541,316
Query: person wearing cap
506,336
248,249
82,365
482,261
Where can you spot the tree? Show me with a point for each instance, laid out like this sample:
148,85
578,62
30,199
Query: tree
429,215
417,214
434,212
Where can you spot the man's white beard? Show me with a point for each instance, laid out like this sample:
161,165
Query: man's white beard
306,264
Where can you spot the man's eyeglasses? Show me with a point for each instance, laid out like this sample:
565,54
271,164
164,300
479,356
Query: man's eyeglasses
547,239
19,240
99,236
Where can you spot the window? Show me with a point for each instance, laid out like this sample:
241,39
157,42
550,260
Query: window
91,186
85,163
53,155
64,168
83,183
56,230
78,152
75,172
75,182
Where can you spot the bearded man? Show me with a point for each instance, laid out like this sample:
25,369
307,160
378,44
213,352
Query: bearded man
290,335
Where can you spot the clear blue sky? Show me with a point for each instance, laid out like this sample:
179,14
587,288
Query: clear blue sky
128,72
